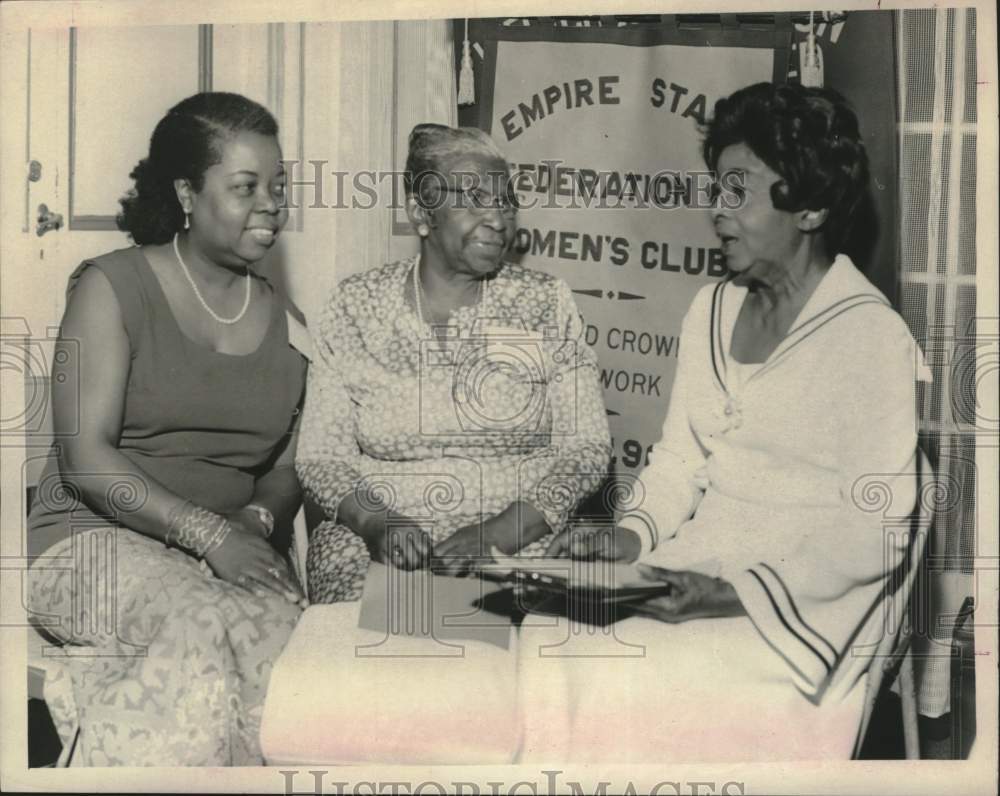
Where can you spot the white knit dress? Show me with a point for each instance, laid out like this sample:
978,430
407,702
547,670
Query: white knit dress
789,479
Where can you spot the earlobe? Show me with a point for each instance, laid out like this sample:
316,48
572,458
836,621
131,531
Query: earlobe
811,220
184,193
414,211
420,217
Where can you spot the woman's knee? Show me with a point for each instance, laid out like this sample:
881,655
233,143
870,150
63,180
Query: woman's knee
336,563
50,599
335,544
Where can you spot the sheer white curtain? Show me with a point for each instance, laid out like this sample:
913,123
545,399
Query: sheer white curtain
937,145
366,85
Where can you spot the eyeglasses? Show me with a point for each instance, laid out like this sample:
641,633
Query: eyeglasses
479,201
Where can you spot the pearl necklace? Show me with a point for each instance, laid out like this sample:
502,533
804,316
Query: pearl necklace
418,291
201,299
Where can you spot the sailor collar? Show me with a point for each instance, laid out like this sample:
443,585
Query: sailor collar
842,289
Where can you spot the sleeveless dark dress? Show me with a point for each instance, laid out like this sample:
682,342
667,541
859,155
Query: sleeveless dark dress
163,663
201,423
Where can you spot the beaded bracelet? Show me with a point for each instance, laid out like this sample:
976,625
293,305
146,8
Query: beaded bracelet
196,529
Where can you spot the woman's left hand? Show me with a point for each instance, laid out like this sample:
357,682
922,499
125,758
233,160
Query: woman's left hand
694,596
461,550
596,541
248,521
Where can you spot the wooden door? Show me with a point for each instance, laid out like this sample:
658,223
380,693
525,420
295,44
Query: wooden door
90,100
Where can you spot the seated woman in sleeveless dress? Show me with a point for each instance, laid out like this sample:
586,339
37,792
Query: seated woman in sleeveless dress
153,565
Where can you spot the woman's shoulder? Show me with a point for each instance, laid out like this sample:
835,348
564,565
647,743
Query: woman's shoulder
114,263
364,300
113,278
872,313
533,297
127,256
708,297
520,283
379,275
520,275
119,267
374,281
875,331
865,337
517,271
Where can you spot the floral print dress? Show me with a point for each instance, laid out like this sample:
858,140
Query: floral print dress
447,426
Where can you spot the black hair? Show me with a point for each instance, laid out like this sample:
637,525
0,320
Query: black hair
184,144
810,138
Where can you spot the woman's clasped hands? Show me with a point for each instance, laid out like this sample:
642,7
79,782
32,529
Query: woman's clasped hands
461,552
590,541
394,539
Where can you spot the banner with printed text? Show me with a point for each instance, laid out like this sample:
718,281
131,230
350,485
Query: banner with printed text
602,130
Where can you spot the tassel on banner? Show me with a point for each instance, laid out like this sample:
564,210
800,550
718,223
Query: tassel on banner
811,59
466,79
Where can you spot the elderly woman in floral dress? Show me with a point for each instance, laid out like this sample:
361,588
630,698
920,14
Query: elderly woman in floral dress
454,406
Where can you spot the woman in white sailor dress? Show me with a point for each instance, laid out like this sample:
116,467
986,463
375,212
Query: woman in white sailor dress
793,404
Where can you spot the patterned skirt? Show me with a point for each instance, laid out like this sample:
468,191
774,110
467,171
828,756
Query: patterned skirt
161,663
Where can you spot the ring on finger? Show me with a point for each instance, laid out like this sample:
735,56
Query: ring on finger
273,572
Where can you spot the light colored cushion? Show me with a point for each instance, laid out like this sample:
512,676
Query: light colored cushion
340,694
